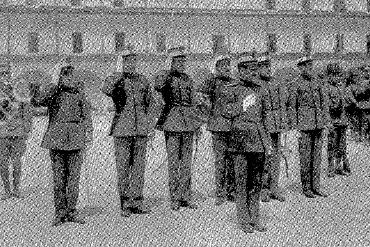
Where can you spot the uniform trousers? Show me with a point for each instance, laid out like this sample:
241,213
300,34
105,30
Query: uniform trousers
130,154
337,147
179,152
66,166
12,148
270,178
224,167
248,174
310,150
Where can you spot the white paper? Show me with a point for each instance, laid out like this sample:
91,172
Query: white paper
249,101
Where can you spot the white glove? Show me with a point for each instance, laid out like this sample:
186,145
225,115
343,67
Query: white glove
56,71
119,65
249,101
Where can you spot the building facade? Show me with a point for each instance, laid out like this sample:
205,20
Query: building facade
34,34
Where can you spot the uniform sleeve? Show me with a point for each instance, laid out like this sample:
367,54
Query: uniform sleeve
109,83
232,106
152,104
283,93
28,117
43,95
326,102
86,113
292,104
159,81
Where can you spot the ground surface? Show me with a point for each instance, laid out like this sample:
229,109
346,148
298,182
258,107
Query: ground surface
343,219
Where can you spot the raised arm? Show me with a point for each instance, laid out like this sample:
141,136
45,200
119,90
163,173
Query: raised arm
109,84
42,95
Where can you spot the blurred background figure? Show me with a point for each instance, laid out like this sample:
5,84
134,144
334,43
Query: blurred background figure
339,100
15,127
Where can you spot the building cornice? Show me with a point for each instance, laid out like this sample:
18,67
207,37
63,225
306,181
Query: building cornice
108,58
53,10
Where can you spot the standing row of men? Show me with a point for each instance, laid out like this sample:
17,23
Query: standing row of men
246,116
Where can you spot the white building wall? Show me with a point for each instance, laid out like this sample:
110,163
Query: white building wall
289,34
323,5
356,5
247,34
289,4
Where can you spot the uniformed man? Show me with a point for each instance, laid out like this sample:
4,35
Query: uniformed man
276,124
15,127
68,134
179,122
310,104
249,142
213,90
339,100
133,124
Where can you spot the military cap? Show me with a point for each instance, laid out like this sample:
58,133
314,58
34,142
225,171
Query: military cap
126,52
218,59
264,60
304,60
246,61
333,69
174,53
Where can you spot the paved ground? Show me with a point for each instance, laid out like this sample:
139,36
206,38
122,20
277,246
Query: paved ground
343,219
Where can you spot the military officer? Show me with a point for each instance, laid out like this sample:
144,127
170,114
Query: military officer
276,124
15,127
219,126
179,122
249,142
68,134
339,100
133,124
310,104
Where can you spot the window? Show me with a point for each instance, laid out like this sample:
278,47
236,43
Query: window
368,44
339,6
306,5
271,43
338,43
307,44
33,42
219,43
118,3
77,43
119,41
270,4
75,2
160,42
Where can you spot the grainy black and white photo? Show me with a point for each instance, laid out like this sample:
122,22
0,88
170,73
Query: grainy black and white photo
185,123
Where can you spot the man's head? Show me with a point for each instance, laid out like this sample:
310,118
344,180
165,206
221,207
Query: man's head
305,66
222,66
127,60
264,64
177,59
335,74
248,68
179,63
66,77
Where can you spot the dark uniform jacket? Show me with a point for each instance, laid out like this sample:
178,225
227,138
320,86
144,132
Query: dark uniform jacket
214,89
69,117
134,102
249,127
339,101
276,104
180,112
309,104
